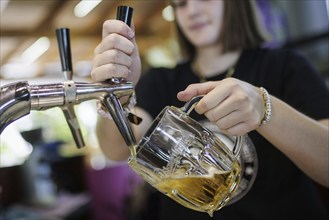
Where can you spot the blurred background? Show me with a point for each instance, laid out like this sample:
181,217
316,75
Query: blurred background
42,174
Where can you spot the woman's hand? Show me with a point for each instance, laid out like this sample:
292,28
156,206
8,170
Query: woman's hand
235,106
117,54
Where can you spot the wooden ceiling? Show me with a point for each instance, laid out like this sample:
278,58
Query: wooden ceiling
24,21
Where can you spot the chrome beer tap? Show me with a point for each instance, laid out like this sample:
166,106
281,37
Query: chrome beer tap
18,99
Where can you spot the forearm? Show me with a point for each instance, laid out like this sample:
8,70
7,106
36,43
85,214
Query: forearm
302,139
111,141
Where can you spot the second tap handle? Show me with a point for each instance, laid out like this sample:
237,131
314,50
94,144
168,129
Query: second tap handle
63,38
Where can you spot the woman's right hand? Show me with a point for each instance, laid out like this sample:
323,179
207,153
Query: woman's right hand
117,55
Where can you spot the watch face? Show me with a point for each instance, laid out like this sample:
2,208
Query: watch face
249,164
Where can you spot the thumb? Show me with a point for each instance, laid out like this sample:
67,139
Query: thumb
132,25
136,66
133,38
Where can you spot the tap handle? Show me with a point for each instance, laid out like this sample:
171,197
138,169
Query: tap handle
63,38
124,13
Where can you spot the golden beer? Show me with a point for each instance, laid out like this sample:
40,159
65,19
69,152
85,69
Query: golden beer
206,193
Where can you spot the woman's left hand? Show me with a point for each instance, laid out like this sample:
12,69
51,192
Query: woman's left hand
235,106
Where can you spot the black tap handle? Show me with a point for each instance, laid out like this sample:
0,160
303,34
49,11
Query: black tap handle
125,14
63,38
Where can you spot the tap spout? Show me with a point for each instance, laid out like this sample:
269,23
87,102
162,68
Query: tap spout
109,93
115,108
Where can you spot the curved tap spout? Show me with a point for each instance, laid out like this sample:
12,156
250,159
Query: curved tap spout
14,103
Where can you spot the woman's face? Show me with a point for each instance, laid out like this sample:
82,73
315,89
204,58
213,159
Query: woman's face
200,20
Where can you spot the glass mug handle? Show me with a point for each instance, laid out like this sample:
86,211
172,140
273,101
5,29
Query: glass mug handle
189,106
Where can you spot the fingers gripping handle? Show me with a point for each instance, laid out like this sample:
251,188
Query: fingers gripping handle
124,13
189,106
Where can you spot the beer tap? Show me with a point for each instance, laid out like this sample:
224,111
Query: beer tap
19,98
63,38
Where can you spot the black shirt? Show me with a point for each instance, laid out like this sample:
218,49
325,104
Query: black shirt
281,190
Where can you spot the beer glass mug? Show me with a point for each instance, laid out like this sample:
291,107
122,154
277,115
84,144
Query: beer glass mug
187,162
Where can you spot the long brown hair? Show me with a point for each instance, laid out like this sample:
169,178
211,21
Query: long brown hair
240,29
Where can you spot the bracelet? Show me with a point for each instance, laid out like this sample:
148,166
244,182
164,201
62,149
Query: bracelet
268,106
101,109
